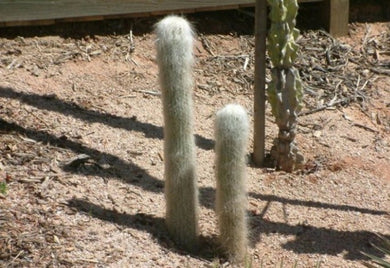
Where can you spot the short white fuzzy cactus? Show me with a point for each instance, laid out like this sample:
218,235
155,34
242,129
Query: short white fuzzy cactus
175,39
231,135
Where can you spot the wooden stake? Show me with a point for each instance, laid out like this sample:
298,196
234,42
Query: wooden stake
336,15
259,94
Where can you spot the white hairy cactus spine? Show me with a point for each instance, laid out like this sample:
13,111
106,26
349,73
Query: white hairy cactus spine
231,134
175,39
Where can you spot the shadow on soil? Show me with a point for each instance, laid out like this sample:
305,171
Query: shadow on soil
309,239
318,240
148,223
314,204
54,104
117,168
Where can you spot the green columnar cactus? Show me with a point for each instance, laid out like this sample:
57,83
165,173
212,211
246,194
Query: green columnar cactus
231,135
285,89
175,59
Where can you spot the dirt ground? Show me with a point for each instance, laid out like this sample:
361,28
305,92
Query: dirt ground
81,148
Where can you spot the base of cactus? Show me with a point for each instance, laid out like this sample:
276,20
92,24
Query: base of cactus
286,156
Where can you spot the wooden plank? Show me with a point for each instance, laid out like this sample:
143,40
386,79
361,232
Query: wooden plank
27,23
309,1
336,16
215,8
18,10
44,12
32,12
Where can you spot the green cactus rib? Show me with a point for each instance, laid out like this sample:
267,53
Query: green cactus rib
285,91
282,36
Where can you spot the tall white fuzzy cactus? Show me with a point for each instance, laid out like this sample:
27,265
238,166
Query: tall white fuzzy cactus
175,39
231,134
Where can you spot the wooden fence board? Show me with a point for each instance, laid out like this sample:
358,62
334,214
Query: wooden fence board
44,12
17,10
14,12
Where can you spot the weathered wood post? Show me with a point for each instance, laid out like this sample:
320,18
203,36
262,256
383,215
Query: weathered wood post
336,16
259,90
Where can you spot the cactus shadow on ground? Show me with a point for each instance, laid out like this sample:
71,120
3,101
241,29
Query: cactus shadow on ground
318,240
322,240
145,222
53,103
118,168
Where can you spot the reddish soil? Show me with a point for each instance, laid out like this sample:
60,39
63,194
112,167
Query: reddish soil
81,146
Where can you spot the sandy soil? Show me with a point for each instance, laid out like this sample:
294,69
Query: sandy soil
81,152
